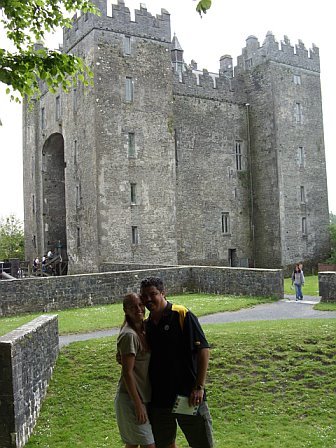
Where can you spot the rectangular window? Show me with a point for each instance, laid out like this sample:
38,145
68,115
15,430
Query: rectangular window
135,235
127,45
78,196
78,236
43,118
298,112
301,155
58,107
248,63
131,144
238,155
33,203
129,89
225,223
74,100
75,152
302,194
297,79
304,226
133,194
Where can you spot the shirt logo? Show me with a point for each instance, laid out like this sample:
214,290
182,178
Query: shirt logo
166,327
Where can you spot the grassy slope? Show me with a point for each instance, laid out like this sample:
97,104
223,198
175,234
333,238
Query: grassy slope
270,385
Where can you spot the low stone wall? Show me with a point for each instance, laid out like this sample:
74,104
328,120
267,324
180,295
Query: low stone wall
327,286
76,291
27,357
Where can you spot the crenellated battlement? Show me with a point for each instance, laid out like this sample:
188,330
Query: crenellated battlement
296,55
118,20
217,86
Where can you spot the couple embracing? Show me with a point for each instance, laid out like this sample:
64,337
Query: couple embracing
164,359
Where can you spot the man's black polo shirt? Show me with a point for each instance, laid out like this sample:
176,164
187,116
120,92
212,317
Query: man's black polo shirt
174,343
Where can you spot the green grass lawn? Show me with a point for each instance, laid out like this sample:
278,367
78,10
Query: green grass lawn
271,384
82,320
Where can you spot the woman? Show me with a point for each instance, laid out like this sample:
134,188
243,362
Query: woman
298,282
134,388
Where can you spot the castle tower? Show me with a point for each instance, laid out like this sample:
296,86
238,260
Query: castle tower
226,66
102,158
290,204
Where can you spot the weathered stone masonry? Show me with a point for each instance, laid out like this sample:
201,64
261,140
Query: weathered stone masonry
75,291
162,163
27,358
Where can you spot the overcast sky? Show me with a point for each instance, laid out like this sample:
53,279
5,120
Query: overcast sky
222,30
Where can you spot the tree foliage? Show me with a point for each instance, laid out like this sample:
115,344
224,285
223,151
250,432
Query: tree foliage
332,258
11,238
26,22
203,6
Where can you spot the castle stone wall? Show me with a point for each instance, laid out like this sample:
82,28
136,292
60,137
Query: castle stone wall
327,286
76,291
202,198
27,358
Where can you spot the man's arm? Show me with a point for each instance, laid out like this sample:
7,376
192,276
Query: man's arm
196,396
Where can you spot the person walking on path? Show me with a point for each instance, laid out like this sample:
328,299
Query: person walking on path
134,390
178,367
298,282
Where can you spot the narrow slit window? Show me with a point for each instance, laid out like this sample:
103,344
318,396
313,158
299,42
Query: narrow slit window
135,235
131,144
225,223
129,93
302,194
298,112
133,194
304,226
127,45
238,155
58,107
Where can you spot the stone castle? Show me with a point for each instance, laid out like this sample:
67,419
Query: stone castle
160,163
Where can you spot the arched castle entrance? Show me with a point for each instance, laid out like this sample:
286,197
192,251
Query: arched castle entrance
53,184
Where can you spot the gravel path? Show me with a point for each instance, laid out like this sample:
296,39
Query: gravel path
286,308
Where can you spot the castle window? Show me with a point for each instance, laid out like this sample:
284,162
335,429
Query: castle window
131,144
34,241
86,16
43,118
78,236
75,152
297,79
58,107
135,235
298,112
129,89
238,155
33,203
302,194
74,100
225,223
127,45
248,63
301,156
304,226
133,194
78,196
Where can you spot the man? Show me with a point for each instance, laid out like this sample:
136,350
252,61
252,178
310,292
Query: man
178,366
